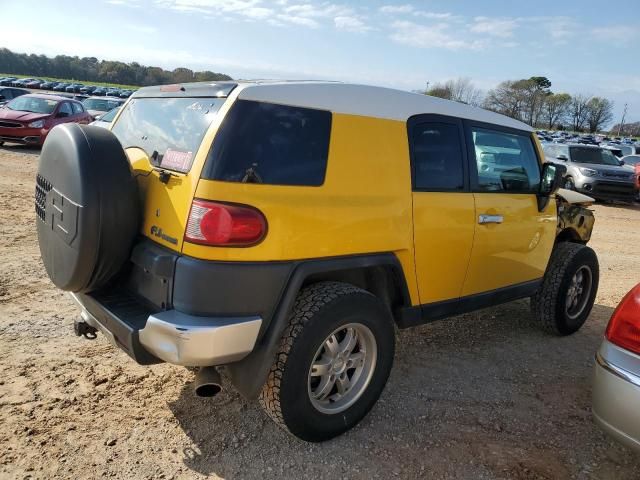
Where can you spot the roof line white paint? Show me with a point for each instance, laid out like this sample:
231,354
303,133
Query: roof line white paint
367,101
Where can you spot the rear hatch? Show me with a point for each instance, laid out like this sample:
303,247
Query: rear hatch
166,132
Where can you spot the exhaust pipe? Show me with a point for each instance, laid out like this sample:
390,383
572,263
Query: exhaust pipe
207,382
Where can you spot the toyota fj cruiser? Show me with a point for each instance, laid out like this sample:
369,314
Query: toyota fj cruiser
283,231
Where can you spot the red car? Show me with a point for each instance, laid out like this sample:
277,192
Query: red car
28,119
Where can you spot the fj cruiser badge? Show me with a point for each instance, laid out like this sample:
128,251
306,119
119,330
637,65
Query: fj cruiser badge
157,232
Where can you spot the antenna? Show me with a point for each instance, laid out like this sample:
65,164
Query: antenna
624,114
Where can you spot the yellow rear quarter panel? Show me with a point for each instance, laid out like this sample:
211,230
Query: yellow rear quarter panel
364,205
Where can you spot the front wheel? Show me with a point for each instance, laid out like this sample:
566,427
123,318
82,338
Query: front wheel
565,298
568,184
333,362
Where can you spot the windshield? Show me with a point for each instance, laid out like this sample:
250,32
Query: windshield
100,104
108,117
594,156
171,127
33,104
632,160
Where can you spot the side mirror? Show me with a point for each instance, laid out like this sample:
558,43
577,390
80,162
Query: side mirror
622,162
563,157
551,180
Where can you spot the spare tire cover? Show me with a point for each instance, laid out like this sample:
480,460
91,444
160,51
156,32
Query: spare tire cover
87,206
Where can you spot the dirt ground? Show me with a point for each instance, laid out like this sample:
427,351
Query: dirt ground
480,396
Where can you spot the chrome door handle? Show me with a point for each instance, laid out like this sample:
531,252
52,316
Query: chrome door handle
482,219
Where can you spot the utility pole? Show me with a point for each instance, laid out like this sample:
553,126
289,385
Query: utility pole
624,114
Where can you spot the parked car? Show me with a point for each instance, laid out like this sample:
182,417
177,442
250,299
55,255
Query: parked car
61,87
634,162
105,120
48,85
9,93
239,248
100,91
21,82
35,83
6,81
29,118
74,88
88,89
97,106
616,381
594,171
125,93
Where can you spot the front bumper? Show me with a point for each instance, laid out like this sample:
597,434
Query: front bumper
616,394
23,136
170,335
607,189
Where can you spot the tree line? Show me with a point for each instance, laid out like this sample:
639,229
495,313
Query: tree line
532,101
90,69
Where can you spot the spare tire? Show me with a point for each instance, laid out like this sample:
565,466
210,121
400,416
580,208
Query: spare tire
87,206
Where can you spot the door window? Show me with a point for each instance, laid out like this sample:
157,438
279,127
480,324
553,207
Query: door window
506,162
437,157
65,108
77,108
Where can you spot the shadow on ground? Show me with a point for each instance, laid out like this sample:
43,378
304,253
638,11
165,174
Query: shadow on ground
480,394
17,148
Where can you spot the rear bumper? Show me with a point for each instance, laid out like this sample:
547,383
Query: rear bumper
172,336
186,311
616,394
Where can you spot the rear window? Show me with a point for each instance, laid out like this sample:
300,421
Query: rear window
169,130
273,144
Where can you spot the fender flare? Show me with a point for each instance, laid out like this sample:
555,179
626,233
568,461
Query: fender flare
249,374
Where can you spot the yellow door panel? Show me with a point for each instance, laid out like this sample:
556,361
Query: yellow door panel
443,237
514,251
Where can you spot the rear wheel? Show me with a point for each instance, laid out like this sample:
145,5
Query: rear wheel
333,363
565,299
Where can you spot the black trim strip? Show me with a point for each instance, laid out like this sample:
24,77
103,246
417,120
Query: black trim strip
430,312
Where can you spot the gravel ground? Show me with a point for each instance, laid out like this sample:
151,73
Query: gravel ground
480,396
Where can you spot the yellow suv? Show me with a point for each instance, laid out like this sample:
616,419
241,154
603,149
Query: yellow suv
283,230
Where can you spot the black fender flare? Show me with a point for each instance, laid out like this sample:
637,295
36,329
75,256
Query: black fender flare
249,374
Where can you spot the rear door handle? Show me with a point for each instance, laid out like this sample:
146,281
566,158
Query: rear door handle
484,218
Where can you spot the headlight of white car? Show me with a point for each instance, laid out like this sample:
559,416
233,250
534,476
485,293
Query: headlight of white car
588,172
37,124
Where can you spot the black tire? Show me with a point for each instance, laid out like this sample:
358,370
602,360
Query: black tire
87,206
569,184
550,304
319,310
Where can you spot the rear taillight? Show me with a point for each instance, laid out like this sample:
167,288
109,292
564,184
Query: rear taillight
624,326
224,224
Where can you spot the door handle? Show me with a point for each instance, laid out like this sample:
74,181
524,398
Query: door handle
484,218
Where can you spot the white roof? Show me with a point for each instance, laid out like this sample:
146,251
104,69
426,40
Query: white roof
367,101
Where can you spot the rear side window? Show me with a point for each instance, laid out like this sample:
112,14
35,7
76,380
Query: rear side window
506,162
273,144
437,157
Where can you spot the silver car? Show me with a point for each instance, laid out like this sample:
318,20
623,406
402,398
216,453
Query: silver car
594,171
616,381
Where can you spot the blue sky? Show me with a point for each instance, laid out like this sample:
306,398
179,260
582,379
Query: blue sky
582,46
